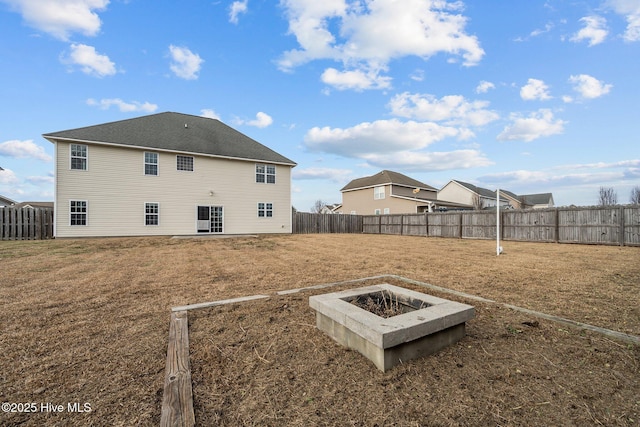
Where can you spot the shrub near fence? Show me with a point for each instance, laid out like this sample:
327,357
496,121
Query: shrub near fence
26,223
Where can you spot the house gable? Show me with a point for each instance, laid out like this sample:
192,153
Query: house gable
174,132
160,183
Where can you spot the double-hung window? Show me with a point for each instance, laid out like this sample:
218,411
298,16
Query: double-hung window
265,210
266,174
78,212
151,214
150,163
79,157
378,192
184,163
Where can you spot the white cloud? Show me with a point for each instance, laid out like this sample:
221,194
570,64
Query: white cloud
535,33
209,113
539,124
535,89
452,109
630,9
60,18
184,63
262,120
594,30
357,80
237,8
332,174
568,175
23,150
381,136
90,61
366,36
429,161
417,75
123,106
589,87
8,177
484,86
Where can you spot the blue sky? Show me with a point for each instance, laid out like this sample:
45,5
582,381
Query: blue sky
529,96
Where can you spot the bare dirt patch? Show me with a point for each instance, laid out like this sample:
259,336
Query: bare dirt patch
87,321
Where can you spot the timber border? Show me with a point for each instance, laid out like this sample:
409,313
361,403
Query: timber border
177,401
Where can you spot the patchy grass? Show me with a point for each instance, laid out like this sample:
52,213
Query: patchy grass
87,321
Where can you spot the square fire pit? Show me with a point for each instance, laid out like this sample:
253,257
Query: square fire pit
424,323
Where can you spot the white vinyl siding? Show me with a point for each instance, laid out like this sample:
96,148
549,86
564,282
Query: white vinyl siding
114,185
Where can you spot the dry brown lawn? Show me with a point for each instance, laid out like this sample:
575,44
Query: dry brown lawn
86,321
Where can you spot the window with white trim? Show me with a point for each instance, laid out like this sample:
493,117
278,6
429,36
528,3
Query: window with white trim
150,163
184,163
265,210
78,212
79,157
378,192
151,214
376,212
266,174
386,211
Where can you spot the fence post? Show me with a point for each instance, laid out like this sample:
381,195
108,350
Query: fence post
557,224
426,224
460,226
621,221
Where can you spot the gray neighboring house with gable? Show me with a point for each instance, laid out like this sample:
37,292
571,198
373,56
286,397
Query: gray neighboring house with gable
168,174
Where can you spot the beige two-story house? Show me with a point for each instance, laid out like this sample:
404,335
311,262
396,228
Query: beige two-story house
389,192
168,174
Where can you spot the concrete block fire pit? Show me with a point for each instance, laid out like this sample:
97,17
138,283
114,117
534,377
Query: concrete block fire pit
420,325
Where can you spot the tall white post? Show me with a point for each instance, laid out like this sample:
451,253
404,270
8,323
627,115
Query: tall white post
498,222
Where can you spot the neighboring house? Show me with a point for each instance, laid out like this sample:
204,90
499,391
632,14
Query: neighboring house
5,201
168,174
330,209
537,201
512,198
389,192
469,195
48,205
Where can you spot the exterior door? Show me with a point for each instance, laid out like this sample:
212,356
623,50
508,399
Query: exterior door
210,219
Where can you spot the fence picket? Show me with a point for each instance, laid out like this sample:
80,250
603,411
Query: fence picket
26,223
615,225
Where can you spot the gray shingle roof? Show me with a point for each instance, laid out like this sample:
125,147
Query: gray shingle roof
385,177
478,190
536,199
175,132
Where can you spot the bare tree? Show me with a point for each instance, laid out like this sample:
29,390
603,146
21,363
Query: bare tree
635,195
477,202
607,197
318,205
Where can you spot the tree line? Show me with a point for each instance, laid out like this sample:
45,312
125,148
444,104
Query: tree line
607,196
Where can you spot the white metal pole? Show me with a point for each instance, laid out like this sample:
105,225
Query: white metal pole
498,222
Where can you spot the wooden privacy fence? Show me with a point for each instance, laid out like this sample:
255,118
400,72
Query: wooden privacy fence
26,223
305,223
616,225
